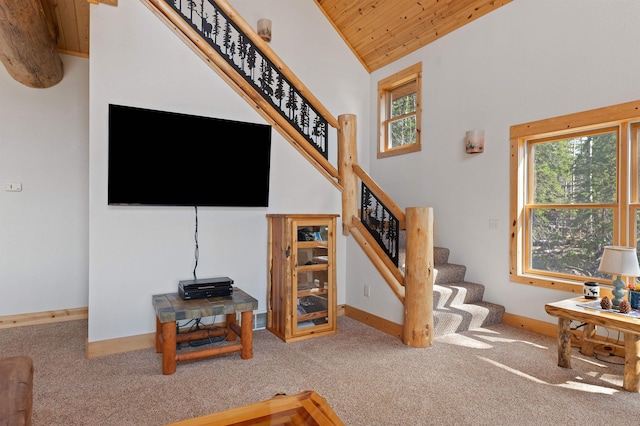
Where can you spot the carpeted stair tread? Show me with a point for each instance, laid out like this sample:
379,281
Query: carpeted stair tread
449,273
467,316
458,293
440,255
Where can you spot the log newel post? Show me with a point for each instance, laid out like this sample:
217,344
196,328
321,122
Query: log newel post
418,302
347,157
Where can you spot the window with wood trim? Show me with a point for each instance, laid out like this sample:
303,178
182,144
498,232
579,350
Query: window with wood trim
399,109
575,188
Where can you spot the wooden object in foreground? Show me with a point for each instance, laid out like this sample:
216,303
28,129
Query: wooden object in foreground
28,44
568,310
301,290
171,308
306,408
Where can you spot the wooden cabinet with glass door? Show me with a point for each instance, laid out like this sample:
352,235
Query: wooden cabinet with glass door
302,275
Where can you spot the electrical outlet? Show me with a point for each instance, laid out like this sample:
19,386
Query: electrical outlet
13,187
367,290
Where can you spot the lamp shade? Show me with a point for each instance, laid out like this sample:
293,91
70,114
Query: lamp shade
620,261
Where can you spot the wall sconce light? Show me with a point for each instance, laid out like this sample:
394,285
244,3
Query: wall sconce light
264,29
474,142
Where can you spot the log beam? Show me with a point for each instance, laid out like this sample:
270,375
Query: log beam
28,44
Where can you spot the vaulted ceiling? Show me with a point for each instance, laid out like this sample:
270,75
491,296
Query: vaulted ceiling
382,31
377,31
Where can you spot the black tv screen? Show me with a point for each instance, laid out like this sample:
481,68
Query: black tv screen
170,159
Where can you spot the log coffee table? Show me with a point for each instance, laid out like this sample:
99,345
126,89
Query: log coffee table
570,309
170,307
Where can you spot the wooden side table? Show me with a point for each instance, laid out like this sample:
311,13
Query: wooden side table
170,307
570,309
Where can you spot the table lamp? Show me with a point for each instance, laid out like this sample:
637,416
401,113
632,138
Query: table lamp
619,261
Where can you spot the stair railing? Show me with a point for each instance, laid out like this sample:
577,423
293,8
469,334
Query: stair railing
214,31
375,221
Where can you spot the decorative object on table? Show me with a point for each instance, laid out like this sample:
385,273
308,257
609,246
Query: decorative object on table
619,261
605,303
634,295
591,290
625,307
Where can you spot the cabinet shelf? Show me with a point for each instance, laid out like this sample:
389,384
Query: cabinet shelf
302,290
313,244
312,315
312,267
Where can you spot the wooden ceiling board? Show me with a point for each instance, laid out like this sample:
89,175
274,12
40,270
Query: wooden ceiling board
82,11
380,32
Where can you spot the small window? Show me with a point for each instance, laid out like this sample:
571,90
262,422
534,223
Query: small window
399,107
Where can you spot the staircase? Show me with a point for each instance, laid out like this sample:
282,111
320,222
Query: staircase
214,30
458,305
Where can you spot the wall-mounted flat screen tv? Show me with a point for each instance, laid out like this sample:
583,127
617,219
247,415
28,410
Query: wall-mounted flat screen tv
170,159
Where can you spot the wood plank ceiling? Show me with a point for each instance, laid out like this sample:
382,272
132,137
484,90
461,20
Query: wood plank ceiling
377,31
71,21
382,31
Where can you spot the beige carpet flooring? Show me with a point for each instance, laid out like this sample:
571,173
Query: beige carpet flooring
493,376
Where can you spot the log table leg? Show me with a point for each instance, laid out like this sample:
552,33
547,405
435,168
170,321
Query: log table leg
631,379
246,334
564,343
169,347
588,346
231,319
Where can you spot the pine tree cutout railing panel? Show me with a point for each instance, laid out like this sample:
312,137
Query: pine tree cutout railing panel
383,226
223,35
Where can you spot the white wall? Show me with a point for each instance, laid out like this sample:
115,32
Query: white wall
136,252
44,145
528,60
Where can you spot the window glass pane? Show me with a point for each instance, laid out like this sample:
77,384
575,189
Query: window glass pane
570,241
402,132
576,170
403,99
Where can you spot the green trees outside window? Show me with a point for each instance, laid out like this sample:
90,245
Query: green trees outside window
574,189
573,200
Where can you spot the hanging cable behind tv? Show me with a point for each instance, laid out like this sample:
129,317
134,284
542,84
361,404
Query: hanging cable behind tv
204,287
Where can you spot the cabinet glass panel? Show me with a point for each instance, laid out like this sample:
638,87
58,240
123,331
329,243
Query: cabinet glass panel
312,275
